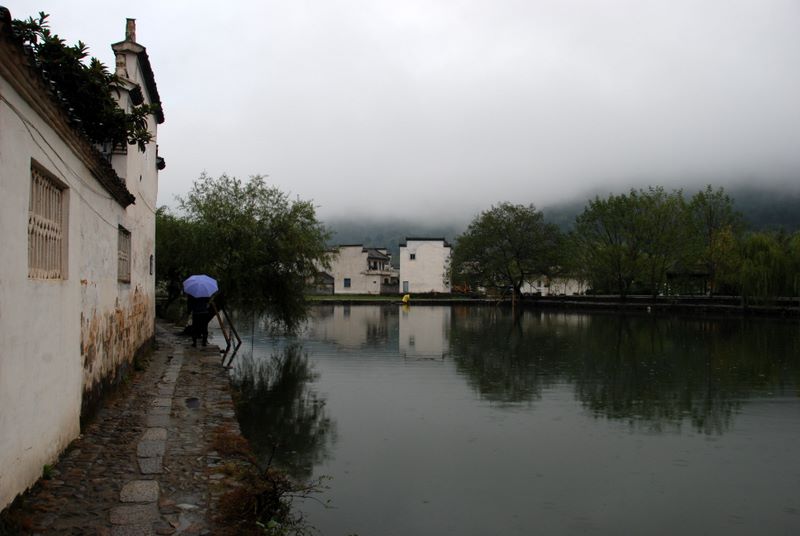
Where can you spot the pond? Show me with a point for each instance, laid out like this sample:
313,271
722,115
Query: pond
468,420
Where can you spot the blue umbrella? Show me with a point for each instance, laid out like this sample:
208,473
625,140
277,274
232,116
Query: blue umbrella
200,286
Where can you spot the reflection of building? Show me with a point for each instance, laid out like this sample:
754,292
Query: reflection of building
359,270
424,265
353,326
425,331
78,234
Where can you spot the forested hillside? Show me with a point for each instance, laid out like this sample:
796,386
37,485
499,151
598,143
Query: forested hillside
763,209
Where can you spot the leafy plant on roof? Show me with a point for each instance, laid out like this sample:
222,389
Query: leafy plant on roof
85,87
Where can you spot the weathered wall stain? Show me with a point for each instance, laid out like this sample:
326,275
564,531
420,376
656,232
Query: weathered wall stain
111,339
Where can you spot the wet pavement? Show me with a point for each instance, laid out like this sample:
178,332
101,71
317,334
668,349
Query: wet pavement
145,463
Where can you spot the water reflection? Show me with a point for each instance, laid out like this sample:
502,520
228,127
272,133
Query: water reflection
352,327
424,332
506,359
545,422
650,371
281,416
656,373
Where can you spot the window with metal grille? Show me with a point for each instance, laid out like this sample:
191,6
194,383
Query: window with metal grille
124,255
46,227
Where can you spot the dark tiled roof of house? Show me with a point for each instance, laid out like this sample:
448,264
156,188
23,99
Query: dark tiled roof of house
424,239
147,71
377,254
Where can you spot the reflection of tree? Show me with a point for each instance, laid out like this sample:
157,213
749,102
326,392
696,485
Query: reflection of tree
279,414
502,360
651,371
664,371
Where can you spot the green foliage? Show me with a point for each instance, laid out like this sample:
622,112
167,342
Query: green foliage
606,240
86,88
506,246
770,265
47,471
178,247
716,225
261,246
664,235
630,242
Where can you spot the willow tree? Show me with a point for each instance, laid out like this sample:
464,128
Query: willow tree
769,265
629,241
606,243
716,227
262,246
506,246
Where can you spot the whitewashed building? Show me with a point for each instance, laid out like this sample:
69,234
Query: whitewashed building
360,270
554,286
77,293
425,265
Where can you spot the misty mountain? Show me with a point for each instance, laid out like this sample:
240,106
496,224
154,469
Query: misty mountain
763,209
766,209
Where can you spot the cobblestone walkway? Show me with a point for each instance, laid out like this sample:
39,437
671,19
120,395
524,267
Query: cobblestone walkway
145,464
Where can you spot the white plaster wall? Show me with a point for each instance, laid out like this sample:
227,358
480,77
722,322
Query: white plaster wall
351,262
428,271
139,168
119,318
40,360
60,339
567,286
554,286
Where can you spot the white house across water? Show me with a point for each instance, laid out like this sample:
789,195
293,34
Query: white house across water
361,270
425,265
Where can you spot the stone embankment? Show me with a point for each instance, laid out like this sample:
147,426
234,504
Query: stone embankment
145,463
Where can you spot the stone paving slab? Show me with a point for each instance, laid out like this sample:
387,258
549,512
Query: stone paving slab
151,466
157,421
144,463
134,514
155,434
141,529
151,449
144,491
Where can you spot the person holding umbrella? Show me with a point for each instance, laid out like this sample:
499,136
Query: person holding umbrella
199,289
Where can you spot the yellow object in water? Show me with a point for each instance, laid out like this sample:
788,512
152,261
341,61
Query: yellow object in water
406,298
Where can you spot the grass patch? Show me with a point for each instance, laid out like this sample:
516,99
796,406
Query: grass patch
47,471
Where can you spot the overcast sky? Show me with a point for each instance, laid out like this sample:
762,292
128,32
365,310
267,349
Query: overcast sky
425,107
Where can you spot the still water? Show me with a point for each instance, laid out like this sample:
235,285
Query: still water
468,421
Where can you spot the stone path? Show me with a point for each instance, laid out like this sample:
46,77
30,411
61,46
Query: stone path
145,464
